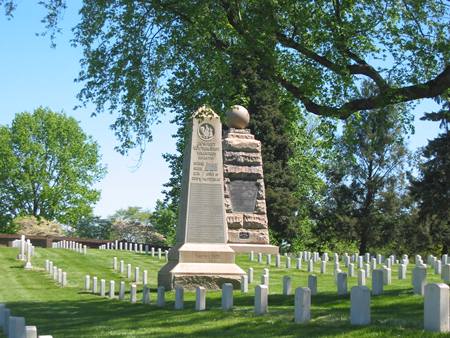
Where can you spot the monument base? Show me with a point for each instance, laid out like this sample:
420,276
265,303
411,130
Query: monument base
256,248
194,264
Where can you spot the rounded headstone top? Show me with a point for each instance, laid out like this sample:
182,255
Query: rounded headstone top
238,117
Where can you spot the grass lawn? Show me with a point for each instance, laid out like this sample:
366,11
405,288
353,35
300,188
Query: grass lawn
71,312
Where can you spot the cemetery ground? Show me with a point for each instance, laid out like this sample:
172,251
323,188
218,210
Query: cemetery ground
73,312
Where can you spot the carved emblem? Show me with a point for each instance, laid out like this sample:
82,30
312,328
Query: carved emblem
206,131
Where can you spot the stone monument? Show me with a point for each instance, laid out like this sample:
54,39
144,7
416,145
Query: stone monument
201,256
245,201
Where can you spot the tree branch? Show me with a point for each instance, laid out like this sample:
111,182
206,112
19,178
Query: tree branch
429,89
361,67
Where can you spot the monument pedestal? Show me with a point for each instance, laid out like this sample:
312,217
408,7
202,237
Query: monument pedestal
256,248
194,264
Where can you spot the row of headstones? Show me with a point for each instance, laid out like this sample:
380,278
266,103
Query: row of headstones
56,273
70,245
26,251
436,305
346,258
15,327
441,266
137,270
134,247
111,292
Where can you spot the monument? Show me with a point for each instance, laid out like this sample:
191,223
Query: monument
245,201
201,255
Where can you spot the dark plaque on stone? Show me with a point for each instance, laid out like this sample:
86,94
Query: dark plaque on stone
244,235
243,195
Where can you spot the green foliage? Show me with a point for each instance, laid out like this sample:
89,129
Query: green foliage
93,227
48,166
365,200
164,220
431,189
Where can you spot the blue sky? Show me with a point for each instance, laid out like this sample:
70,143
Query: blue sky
33,74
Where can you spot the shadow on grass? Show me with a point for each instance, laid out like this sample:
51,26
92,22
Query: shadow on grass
101,317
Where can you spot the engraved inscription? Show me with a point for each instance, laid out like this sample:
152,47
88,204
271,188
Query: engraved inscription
243,195
205,220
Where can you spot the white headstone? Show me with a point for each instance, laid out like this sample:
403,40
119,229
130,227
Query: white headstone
361,277
200,298
341,283
287,285
179,298
302,305
94,285
133,293
244,284
227,296
102,287
419,275
312,284
387,276
16,327
122,290
377,282
436,308
261,299
145,277
161,300
360,305
250,275
402,271
145,295
136,274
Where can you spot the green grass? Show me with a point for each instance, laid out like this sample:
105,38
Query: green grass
71,312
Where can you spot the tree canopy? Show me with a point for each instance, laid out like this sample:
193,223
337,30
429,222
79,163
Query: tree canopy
139,54
48,167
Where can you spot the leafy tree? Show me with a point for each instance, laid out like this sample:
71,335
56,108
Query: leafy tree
164,220
132,214
134,225
32,226
365,179
48,166
142,57
432,189
316,51
93,227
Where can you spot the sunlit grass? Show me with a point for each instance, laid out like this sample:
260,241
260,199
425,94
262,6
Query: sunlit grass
72,312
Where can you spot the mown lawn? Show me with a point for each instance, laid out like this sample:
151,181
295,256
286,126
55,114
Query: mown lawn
71,312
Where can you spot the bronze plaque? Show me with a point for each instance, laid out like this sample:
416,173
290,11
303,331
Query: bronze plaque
244,235
243,195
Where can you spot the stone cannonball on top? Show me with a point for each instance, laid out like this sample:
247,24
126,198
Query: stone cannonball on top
238,117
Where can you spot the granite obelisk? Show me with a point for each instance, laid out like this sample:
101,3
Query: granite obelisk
201,256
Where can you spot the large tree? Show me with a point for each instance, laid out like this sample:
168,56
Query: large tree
48,167
317,51
140,57
366,178
431,189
